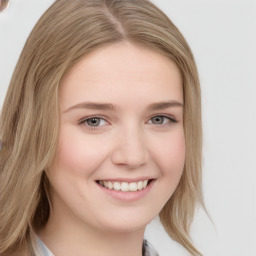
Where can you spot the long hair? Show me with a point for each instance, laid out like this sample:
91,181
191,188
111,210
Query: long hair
29,123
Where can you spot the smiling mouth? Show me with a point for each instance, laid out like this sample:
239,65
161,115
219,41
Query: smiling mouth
125,186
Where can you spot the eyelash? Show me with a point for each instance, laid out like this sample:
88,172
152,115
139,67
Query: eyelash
171,119
83,121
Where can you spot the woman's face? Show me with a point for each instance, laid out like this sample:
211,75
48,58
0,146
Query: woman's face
121,146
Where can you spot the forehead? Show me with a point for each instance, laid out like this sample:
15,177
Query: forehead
123,70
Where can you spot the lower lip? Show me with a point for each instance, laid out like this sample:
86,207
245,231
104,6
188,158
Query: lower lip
127,196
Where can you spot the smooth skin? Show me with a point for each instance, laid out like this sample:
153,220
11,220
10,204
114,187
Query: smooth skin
121,119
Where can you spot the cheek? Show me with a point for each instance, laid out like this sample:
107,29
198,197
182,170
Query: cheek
77,153
170,156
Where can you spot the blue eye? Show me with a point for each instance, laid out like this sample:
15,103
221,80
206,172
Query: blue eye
161,120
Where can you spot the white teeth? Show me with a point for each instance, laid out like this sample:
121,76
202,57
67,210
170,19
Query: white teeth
145,183
124,186
133,186
139,185
117,186
110,185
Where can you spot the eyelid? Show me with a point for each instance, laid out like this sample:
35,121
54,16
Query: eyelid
82,121
168,116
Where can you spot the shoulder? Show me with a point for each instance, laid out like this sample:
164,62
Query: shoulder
148,249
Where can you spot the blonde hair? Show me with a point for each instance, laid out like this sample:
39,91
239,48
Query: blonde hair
3,4
29,123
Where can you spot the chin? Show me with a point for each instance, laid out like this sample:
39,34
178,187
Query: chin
127,223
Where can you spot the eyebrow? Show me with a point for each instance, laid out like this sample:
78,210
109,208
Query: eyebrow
164,105
111,107
92,105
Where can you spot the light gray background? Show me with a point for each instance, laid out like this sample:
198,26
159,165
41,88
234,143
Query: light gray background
222,35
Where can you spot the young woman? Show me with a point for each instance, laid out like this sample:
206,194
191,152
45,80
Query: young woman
101,132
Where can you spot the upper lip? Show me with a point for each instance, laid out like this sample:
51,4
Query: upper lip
127,179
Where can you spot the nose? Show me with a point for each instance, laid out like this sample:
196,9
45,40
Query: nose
130,148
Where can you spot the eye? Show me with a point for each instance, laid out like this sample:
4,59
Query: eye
162,120
94,122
